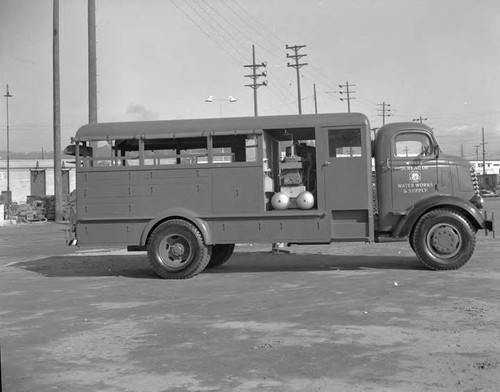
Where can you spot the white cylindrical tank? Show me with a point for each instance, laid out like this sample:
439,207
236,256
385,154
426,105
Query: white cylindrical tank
280,201
305,200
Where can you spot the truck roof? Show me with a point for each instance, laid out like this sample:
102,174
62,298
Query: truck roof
390,128
204,126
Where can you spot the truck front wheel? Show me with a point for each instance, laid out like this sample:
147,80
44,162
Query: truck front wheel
443,239
176,250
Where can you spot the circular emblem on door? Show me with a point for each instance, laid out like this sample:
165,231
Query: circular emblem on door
415,176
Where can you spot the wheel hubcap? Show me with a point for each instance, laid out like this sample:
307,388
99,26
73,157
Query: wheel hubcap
177,249
444,240
175,252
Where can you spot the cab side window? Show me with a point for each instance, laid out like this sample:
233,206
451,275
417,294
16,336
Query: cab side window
412,144
344,143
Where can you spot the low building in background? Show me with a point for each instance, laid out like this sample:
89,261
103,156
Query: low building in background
491,166
34,177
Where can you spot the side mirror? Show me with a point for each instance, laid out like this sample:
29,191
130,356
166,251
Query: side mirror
437,150
84,150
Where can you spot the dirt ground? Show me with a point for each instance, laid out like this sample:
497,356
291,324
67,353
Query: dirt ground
345,317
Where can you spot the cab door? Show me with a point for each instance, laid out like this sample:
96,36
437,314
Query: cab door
346,171
413,168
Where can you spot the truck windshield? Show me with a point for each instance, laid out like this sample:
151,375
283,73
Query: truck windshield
413,144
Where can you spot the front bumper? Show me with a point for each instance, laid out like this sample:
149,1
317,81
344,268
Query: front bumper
489,224
71,239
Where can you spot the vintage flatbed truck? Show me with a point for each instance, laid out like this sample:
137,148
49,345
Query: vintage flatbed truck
186,191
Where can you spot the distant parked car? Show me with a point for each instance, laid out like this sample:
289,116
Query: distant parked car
488,193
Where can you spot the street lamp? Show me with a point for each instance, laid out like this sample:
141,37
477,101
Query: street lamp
7,96
230,99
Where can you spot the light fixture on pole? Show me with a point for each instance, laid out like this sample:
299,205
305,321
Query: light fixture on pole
420,119
7,96
229,99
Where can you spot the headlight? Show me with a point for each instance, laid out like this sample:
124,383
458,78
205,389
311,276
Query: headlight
478,201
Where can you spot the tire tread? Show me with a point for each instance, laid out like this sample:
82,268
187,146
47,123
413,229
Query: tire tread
421,252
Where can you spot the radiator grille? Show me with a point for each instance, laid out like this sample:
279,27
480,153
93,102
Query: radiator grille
475,182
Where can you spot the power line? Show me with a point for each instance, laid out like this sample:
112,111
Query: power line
367,103
270,34
241,28
227,21
261,36
268,37
204,31
220,30
205,17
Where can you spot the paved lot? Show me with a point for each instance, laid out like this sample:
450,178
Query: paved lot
345,317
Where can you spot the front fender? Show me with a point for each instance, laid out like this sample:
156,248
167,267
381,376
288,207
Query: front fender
177,213
405,225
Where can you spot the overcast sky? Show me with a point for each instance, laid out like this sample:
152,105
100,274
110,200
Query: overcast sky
160,59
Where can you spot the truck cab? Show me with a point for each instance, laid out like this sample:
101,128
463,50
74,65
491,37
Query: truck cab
425,195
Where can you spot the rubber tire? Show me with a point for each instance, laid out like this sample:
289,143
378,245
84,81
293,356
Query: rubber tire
198,257
220,254
410,240
456,223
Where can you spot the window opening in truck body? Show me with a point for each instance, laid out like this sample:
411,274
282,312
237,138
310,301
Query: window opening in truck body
344,143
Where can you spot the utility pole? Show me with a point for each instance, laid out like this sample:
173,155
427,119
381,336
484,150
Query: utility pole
296,56
348,93
57,114
385,111
420,119
477,151
255,76
92,58
9,197
315,99
484,152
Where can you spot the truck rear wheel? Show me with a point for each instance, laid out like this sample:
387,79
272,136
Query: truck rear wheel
176,250
220,254
443,239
